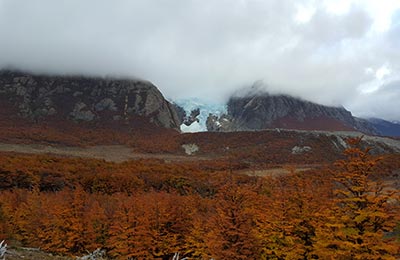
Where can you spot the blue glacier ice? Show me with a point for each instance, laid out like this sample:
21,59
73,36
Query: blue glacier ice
206,107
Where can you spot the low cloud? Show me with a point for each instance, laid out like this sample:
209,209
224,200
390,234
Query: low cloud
384,101
206,48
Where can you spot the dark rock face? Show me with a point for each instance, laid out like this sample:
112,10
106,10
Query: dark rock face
180,112
188,120
224,123
263,111
86,99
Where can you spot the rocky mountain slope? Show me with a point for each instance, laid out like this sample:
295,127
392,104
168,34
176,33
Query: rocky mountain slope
262,111
384,127
38,97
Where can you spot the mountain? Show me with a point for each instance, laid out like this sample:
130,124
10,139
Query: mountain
88,99
258,111
384,127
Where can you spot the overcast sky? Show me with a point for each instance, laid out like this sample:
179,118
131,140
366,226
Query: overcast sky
333,52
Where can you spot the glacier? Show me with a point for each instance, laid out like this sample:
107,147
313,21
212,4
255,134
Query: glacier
206,107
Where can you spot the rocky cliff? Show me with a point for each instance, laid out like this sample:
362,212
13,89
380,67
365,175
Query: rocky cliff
263,111
39,97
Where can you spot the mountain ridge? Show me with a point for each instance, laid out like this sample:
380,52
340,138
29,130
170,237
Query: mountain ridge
88,99
263,110
385,127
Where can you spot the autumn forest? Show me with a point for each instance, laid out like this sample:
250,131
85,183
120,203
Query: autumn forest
152,209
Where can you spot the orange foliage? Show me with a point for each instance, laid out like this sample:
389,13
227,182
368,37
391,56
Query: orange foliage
232,228
364,212
150,209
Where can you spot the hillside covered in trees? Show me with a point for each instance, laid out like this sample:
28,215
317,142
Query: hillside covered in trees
152,209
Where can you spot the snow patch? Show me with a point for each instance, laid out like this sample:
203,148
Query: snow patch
193,128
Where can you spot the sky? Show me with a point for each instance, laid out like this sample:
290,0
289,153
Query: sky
334,52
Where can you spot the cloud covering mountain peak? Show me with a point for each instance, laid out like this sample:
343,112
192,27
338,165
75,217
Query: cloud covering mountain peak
194,48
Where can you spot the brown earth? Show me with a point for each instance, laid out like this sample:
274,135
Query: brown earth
111,153
32,254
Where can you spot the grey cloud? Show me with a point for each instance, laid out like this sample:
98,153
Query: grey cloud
327,28
382,103
196,47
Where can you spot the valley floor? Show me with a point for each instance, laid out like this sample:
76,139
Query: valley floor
110,153
32,254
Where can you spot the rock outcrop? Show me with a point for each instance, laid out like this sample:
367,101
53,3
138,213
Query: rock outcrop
223,123
190,119
38,97
263,111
